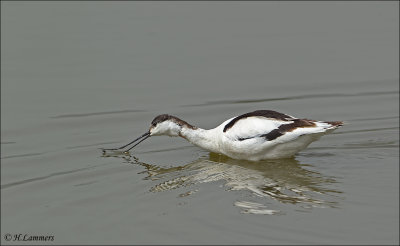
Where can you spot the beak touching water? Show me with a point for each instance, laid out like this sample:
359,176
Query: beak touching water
135,142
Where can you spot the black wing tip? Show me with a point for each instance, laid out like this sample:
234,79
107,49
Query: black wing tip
335,123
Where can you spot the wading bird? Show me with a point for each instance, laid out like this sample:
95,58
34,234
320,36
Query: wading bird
254,136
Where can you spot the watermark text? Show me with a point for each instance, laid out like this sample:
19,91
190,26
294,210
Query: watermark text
28,237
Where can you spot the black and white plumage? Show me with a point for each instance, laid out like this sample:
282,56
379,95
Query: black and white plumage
258,135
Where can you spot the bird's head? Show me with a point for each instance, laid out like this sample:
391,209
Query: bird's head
161,125
165,124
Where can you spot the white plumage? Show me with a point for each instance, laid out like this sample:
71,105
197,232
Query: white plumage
258,135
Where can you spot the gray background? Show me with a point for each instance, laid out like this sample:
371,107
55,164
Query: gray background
78,76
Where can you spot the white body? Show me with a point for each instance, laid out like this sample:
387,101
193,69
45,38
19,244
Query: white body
255,148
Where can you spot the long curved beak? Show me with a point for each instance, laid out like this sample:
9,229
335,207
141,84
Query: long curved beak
138,140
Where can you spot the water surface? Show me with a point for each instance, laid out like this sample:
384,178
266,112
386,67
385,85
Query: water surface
77,77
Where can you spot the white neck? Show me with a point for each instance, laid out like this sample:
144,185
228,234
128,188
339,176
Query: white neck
206,139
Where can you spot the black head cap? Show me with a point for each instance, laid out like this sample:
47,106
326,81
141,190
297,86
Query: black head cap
160,118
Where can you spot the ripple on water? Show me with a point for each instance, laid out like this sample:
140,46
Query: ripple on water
255,208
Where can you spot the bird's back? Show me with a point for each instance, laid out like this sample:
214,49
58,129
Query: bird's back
266,134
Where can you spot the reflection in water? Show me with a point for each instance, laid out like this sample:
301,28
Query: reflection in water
285,180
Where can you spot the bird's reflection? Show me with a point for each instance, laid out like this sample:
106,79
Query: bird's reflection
285,180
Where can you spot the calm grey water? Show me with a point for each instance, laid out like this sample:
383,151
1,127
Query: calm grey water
77,77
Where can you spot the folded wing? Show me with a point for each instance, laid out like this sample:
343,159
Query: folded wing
273,126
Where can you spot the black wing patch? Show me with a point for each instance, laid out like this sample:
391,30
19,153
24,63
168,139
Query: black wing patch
274,134
264,113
